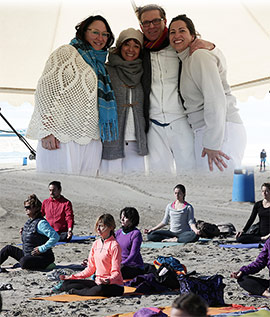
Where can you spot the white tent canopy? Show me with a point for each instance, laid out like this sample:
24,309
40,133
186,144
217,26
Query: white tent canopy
31,30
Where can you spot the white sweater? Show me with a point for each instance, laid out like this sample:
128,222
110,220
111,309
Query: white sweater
66,99
207,94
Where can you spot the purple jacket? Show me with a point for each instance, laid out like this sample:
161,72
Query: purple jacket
262,261
131,245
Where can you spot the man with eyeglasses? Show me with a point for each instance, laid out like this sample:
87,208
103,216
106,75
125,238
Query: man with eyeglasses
170,138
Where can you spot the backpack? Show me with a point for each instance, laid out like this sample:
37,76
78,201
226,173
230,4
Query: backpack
168,268
207,230
210,288
166,276
174,263
226,229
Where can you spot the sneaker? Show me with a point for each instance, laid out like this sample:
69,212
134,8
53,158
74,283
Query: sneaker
2,270
56,289
54,275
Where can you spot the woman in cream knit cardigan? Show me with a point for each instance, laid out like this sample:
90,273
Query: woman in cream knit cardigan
75,107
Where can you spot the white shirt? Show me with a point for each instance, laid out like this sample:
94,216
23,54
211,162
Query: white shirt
165,105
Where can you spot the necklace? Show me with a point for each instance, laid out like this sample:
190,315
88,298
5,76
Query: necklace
266,203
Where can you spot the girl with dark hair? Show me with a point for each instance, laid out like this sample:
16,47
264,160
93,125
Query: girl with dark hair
75,107
104,260
219,134
38,237
262,210
130,239
180,214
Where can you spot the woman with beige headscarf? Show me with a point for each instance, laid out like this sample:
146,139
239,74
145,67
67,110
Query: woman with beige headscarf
124,66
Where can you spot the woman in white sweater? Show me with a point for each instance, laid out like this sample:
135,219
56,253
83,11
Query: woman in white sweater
75,108
220,136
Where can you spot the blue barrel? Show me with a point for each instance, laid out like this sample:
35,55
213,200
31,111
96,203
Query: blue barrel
24,161
243,186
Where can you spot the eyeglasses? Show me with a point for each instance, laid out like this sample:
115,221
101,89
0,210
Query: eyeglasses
154,22
96,33
27,207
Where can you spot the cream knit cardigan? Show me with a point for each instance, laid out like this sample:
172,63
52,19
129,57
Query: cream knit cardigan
66,99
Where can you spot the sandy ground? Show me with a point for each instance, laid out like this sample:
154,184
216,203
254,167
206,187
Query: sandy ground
210,195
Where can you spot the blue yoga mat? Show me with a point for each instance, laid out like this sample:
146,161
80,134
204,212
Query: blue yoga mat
242,246
159,245
74,239
77,239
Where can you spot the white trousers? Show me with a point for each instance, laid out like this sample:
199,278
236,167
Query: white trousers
70,158
234,144
171,148
131,163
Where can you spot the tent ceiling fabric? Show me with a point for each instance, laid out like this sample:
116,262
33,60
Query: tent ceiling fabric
31,30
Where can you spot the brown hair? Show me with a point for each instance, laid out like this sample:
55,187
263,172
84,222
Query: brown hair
34,202
81,28
190,25
267,185
191,304
150,7
107,220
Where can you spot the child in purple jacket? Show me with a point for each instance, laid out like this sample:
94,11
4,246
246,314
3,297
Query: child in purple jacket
255,285
130,240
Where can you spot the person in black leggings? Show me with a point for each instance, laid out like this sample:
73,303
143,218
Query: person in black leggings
262,209
38,238
255,285
104,261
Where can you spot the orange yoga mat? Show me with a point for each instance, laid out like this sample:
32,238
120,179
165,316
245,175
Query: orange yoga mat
65,298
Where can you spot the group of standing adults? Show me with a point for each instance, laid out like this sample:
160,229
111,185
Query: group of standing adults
151,97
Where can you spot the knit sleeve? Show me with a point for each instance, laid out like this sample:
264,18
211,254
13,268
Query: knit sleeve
205,73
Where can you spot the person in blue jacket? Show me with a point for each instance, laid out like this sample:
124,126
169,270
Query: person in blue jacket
38,238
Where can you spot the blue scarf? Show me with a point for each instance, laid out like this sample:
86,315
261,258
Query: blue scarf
108,124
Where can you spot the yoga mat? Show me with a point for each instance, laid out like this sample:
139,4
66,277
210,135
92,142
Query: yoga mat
75,239
212,311
242,246
159,245
65,298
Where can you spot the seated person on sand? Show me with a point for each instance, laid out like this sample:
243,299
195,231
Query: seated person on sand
130,240
104,261
58,212
189,305
262,209
255,285
38,238
180,214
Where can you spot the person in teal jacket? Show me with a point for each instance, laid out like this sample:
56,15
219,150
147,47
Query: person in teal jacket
38,238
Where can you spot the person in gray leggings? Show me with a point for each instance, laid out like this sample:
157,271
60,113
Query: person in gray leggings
180,215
